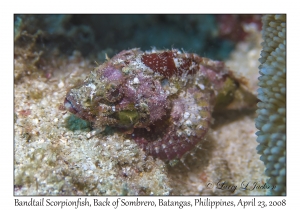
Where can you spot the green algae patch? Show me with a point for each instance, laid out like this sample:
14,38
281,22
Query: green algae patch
74,123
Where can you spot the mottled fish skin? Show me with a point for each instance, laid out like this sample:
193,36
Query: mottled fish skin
163,99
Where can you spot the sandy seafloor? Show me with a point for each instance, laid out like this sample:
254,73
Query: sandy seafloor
51,159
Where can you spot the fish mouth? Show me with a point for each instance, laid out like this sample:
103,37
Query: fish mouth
77,110
69,106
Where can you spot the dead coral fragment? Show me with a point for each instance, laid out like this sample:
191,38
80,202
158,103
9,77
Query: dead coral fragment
163,99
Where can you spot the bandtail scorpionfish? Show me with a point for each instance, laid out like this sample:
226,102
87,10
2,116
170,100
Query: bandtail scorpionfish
163,99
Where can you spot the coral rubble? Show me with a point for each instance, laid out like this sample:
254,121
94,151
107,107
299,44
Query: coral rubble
271,120
54,158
